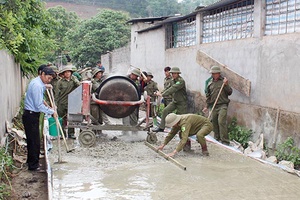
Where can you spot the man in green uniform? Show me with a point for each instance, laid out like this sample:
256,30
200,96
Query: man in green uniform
63,88
187,125
132,119
179,98
167,84
151,88
219,113
98,78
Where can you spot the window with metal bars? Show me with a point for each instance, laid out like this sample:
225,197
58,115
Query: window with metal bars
282,16
181,33
233,21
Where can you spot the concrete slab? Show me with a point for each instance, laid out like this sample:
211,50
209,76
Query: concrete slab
128,169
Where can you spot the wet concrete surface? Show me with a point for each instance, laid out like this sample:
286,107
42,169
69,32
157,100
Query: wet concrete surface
127,169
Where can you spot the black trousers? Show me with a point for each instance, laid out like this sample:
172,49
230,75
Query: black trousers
31,125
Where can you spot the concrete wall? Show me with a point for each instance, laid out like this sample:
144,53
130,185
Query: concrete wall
11,90
269,62
117,61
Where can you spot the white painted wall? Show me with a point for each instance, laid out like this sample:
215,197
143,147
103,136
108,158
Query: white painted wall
11,89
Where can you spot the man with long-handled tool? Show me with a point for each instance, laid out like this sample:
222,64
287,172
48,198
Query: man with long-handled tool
33,106
217,90
187,125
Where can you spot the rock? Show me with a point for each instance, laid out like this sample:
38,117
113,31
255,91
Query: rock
26,194
288,164
258,154
272,159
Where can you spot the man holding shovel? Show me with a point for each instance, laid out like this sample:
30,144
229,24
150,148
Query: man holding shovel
217,91
33,106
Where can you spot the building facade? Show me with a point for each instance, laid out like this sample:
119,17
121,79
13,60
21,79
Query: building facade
257,39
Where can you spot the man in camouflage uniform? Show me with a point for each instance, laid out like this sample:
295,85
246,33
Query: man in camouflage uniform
63,88
187,125
167,84
132,119
179,98
219,114
98,78
151,88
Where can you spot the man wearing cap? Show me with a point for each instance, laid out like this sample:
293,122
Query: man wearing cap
132,119
213,85
187,125
98,78
167,84
179,98
33,106
151,88
63,88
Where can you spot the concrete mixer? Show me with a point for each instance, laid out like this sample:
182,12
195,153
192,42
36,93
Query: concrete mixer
117,97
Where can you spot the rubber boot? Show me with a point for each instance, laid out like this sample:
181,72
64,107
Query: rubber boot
187,146
204,150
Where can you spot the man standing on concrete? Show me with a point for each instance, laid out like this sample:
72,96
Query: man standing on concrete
187,125
151,89
63,88
213,86
179,98
132,119
33,106
167,84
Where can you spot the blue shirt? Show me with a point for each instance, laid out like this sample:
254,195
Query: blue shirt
34,99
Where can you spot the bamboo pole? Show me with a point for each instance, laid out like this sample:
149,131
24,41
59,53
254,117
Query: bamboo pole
165,156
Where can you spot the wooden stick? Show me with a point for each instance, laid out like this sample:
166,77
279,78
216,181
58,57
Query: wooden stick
165,156
275,130
57,129
216,100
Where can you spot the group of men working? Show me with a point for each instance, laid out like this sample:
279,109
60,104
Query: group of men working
174,97
217,91
61,83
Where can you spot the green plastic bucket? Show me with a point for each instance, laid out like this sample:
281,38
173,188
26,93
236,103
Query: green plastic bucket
52,126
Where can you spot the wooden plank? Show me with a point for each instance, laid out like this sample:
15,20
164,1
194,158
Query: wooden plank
236,81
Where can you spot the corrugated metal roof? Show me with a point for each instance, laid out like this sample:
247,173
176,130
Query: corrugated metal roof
148,19
218,4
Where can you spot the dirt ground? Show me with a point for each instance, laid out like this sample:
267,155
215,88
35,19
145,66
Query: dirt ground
28,184
83,11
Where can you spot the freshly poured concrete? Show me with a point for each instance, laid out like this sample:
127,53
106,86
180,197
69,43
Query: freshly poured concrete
128,169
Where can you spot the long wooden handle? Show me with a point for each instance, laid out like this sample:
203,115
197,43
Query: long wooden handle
166,156
51,97
216,100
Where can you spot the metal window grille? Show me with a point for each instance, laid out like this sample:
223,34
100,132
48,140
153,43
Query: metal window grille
233,21
282,16
181,33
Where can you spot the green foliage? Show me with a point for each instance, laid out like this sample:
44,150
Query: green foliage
6,164
64,21
104,32
239,133
288,151
24,31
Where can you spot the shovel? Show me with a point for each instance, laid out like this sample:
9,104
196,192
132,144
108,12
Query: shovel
57,122
216,101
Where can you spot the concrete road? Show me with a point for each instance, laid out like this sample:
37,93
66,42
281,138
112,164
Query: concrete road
126,169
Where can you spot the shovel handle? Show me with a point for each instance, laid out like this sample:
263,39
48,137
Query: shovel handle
216,100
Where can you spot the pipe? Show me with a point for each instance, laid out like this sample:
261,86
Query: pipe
122,103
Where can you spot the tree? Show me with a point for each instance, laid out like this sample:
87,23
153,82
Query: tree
24,31
104,32
64,21
162,7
